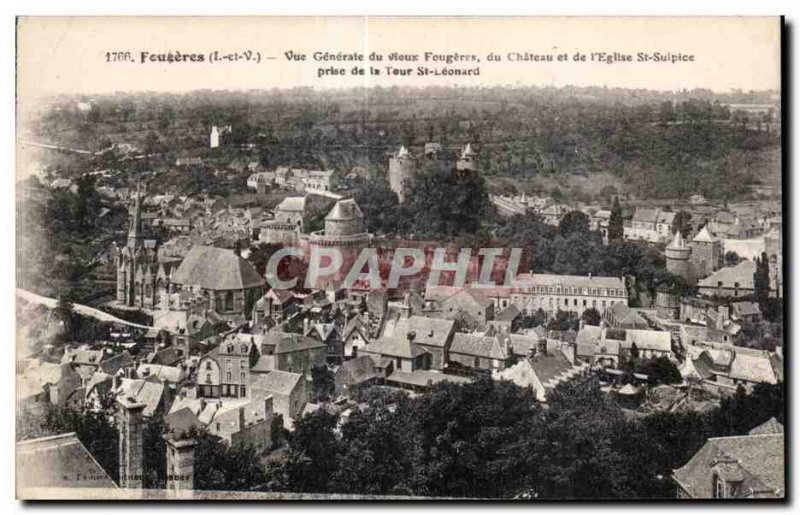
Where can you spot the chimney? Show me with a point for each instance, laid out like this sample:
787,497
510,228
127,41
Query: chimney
180,464
130,422
306,325
242,422
202,404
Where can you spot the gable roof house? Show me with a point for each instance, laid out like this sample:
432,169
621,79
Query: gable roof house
480,352
469,307
542,372
750,466
289,391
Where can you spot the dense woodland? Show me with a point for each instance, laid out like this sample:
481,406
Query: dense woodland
647,144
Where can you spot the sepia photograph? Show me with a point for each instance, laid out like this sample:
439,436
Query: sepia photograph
400,258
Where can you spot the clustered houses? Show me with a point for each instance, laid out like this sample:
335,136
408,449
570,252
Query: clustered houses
652,225
297,179
237,355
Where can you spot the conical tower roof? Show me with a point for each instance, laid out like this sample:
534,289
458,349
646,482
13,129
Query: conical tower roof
403,152
677,241
468,151
704,236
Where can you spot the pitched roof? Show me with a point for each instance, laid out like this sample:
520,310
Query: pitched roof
753,369
147,391
480,346
395,346
265,363
757,461
357,370
291,342
59,461
113,364
216,269
644,214
648,340
292,204
427,331
730,275
704,236
425,378
770,427
278,381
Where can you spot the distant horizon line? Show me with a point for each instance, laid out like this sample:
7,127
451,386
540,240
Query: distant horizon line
345,89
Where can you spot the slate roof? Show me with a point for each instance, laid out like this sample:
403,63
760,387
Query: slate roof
509,314
745,308
292,204
264,364
170,374
755,460
427,331
291,342
770,427
113,364
395,346
147,391
476,345
648,340
357,370
278,381
59,461
425,378
216,269
704,236
345,210
753,369
644,214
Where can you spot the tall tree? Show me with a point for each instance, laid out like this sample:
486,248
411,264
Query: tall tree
761,282
615,223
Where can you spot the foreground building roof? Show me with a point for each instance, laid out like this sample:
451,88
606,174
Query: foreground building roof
58,461
218,269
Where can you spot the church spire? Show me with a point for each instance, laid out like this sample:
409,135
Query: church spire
136,217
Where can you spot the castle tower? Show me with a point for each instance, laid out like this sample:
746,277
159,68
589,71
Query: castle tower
180,464
214,138
678,254
667,303
706,257
468,159
345,230
402,168
130,422
345,219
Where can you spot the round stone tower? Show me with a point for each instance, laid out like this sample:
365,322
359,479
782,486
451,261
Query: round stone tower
402,167
678,254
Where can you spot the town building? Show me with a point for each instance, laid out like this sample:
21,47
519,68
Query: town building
571,293
649,224
287,224
750,466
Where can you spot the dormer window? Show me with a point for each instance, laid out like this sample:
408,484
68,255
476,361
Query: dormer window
719,487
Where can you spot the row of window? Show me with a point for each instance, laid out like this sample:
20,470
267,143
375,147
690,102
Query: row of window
568,290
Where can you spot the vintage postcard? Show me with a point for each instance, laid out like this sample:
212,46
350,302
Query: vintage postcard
400,258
